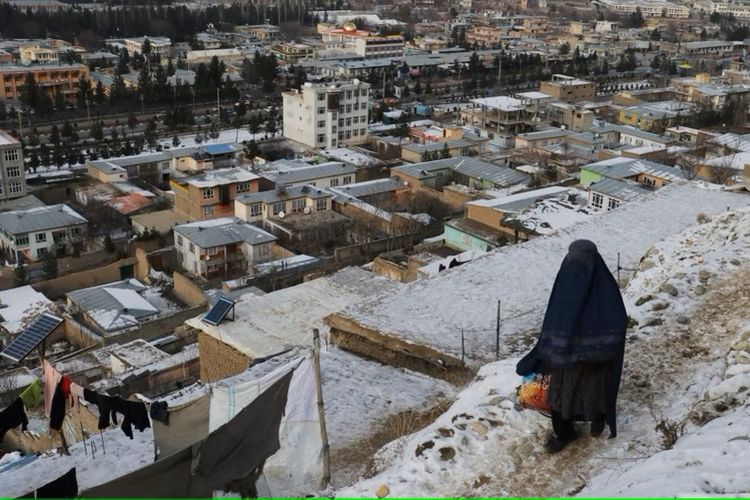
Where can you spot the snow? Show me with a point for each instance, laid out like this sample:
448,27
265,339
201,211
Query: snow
117,456
350,156
18,303
433,267
231,135
130,299
463,298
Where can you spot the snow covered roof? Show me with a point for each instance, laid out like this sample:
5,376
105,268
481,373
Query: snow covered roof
289,193
463,298
17,303
501,102
223,231
40,219
115,305
373,187
221,177
308,173
285,318
618,189
514,202
622,168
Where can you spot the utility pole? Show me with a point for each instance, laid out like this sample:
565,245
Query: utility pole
218,107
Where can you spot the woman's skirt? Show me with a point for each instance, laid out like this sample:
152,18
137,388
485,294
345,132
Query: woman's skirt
579,392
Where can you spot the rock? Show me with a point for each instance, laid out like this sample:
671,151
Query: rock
734,262
653,322
683,320
424,446
479,428
647,264
525,449
643,300
659,306
496,400
447,453
670,289
632,323
699,290
703,275
445,432
382,491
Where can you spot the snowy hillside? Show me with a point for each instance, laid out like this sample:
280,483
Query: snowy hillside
687,362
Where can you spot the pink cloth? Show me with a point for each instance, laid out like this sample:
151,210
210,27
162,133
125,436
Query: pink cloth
76,391
51,378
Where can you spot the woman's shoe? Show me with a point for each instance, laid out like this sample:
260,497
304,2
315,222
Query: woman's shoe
597,428
555,444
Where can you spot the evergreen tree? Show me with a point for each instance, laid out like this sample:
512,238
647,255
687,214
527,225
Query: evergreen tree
60,102
132,121
84,90
54,135
30,91
50,265
97,131
20,275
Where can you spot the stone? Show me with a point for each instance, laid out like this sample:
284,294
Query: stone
479,428
382,491
734,262
703,275
683,320
644,299
525,448
699,290
447,453
424,446
632,323
653,322
445,432
496,400
659,306
647,264
670,289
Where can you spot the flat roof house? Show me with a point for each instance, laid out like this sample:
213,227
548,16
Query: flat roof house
649,174
295,173
221,247
212,193
31,234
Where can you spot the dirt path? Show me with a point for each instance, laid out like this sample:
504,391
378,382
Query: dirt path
665,373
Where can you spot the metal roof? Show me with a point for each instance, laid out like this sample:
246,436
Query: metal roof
370,188
621,190
289,193
622,168
40,219
114,305
471,167
309,173
223,231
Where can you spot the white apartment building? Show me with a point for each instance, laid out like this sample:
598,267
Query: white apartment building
34,54
327,116
12,170
159,44
738,10
649,8
33,233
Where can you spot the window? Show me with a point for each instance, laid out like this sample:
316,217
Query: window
321,138
597,201
341,122
179,240
15,187
214,250
347,179
243,187
41,252
298,205
208,193
321,110
321,97
355,120
347,134
355,133
356,106
22,240
255,209
321,204
348,94
348,108
76,231
363,92
11,155
40,237
334,182
341,136
191,247
278,207
613,203
321,123
13,171
348,122
208,210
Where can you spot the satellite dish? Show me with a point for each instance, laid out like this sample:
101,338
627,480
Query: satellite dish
281,215
307,210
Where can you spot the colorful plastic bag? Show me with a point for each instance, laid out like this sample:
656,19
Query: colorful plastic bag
532,393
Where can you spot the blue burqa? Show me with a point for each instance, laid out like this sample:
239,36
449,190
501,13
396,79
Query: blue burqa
585,321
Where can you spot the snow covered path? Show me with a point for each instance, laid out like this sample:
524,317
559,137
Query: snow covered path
686,300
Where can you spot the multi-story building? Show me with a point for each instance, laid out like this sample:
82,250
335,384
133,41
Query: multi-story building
227,56
293,173
212,194
292,51
263,32
649,8
32,234
35,54
569,89
327,116
255,207
364,43
486,36
50,77
159,44
12,173
498,118
221,247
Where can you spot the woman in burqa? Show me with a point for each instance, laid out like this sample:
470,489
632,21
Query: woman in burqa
581,346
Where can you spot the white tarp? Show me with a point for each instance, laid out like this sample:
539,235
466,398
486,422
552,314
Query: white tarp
297,468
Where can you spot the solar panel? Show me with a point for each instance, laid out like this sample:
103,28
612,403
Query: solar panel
219,311
32,336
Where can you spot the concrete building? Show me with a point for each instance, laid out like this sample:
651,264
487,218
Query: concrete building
569,89
649,174
608,194
35,54
306,200
32,234
50,77
364,43
498,118
292,51
212,194
221,247
327,116
295,173
263,32
649,8
227,56
159,44
13,172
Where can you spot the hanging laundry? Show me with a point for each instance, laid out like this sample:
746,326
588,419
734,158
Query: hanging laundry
76,393
57,409
159,412
66,486
32,395
231,452
51,378
12,417
133,412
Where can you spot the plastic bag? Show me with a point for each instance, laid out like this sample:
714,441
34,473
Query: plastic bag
532,393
